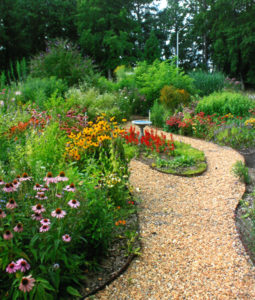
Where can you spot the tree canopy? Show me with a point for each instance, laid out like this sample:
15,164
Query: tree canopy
216,34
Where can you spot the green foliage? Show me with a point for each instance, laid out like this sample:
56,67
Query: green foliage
150,79
178,162
40,152
207,83
158,114
235,135
38,90
3,80
241,171
64,61
113,104
172,98
152,48
226,102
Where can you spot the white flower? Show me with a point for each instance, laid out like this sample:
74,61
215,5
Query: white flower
18,93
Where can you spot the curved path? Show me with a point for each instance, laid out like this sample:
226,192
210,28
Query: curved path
191,249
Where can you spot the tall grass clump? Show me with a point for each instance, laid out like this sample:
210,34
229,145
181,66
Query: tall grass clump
226,102
158,114
207,83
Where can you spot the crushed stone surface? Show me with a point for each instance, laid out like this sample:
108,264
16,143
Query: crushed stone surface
190,245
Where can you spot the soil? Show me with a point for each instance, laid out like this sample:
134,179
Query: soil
244,223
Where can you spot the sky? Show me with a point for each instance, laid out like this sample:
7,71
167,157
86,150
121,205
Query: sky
162,4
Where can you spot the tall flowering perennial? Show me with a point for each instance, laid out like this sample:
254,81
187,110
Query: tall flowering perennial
50,223
93,137
37,120
151,140
157,143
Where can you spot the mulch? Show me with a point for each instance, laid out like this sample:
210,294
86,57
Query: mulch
190,245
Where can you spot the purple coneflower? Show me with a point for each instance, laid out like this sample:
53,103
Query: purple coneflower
11,204
74,203
25,177
36,216
41,196
58,213
1,182
18,227
45,188
38,208
8,235
9,188
37,187
27,284
58,195
15,183
44,228
61,177
12,267
45,221
50,179
2,214
22,265
66,238
70,188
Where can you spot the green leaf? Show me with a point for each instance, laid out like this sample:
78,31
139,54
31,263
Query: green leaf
72,291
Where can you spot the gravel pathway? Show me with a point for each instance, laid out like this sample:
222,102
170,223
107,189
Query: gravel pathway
190,246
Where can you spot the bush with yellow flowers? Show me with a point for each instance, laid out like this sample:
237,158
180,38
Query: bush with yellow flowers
92,138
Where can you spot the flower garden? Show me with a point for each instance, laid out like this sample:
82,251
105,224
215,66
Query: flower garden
65,195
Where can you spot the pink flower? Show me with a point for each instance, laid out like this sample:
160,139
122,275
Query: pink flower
44,228
15,183
36,216
25,177
38,208
8,235
50,179
37,187
41,196
66,238
12,267
45,221
74,203
61,177
45,188
70,188
18,227
58,213
9,188
1,182
22,265
11,204
27,284
58,195
2,214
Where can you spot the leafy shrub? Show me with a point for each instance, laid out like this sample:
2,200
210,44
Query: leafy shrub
235,135
207,83
38,90
150,79
224,103
112,104
241,171
64,61
172,97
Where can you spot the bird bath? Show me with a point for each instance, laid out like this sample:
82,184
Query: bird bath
141,124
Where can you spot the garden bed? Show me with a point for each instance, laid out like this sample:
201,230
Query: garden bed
184,161
244,213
